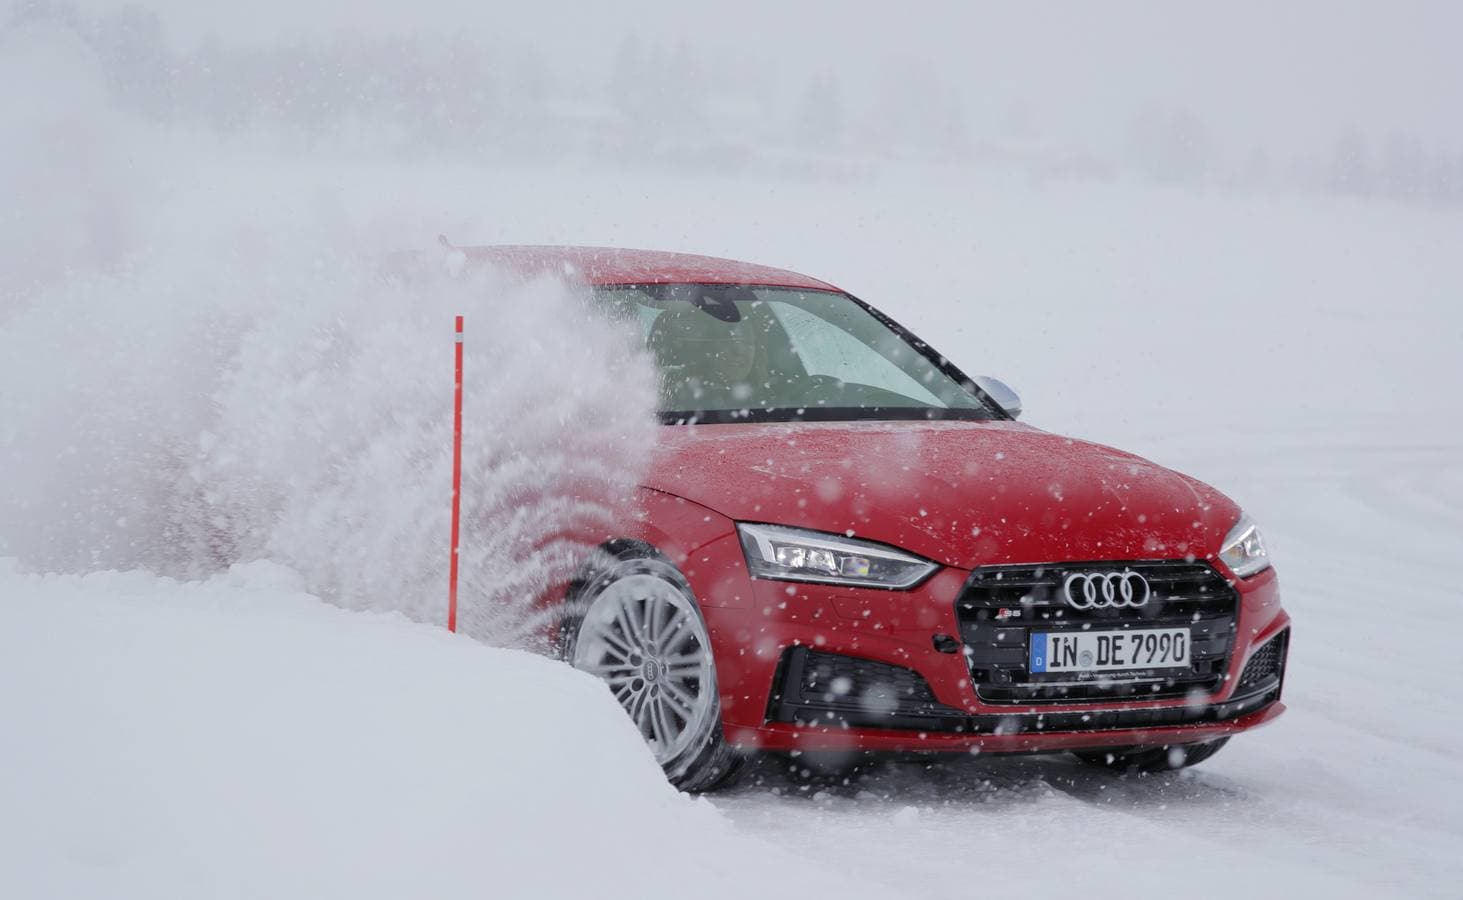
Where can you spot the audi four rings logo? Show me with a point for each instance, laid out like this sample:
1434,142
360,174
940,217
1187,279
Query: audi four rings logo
1104,590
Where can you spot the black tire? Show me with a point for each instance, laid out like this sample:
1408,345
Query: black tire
1151,759
708,762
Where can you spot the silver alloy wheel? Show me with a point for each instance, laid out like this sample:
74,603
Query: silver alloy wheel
644,637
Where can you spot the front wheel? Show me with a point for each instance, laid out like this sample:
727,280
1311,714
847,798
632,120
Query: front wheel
1152,759
636,626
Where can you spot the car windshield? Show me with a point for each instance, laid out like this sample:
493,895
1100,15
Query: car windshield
736,353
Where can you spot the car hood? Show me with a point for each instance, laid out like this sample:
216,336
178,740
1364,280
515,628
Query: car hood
960,493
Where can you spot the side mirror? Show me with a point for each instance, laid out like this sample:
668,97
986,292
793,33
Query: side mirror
1000,392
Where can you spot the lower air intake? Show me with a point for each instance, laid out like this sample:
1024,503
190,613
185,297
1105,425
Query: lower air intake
1267,662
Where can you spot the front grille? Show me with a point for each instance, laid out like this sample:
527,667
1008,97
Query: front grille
1266,662
825,690
1001,605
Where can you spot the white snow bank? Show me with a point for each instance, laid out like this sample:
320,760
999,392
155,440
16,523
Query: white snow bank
238,738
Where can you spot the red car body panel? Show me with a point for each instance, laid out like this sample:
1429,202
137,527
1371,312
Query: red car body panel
960,493
963,494
612,265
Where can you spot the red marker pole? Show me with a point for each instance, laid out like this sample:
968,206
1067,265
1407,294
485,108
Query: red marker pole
456,485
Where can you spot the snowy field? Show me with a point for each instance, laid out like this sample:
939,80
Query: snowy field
236,737
198,368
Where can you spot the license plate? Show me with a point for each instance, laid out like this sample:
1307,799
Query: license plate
1105,651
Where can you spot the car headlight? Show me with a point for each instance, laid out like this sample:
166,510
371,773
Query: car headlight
792,554
1243,549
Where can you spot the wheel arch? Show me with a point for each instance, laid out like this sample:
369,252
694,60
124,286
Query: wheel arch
665,526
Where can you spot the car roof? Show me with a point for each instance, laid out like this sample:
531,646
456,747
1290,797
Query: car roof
613,265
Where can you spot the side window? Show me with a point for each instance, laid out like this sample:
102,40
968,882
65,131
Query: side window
827,349
629,305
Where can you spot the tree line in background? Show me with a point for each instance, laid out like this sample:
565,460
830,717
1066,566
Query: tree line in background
659,106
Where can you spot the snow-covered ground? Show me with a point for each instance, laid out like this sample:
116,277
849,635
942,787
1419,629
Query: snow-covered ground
239,738
236,738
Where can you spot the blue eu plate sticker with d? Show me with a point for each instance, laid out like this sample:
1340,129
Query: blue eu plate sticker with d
1038,653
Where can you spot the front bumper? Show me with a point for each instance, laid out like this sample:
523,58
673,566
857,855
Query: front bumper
785,737
759,629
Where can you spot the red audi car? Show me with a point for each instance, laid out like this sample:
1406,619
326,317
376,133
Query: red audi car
846,545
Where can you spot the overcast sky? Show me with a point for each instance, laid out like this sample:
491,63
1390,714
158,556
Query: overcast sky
1288,75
